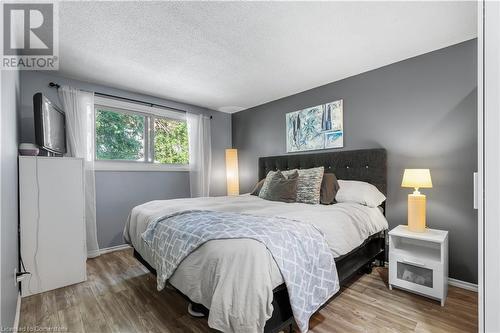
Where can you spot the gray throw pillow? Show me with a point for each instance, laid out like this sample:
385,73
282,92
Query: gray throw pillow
257,187
281,188
329,188
309,185
265,185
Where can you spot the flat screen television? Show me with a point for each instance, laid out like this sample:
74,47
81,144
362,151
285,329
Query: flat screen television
50,128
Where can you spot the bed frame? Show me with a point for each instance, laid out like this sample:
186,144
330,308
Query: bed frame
368,165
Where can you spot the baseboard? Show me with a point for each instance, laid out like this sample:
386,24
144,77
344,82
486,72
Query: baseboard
462,284
18,313
114,248
456,283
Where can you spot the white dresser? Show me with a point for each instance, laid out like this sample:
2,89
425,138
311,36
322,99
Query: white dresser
52,222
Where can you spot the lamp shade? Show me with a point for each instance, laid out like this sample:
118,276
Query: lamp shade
232,178
417,178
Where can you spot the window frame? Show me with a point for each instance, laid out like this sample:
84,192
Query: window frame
150,113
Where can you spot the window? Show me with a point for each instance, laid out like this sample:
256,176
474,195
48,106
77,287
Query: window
170,141
135,133
119,135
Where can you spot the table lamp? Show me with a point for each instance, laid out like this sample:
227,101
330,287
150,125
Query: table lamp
416,178
233,184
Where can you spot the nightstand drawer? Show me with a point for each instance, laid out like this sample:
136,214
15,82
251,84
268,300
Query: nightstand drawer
416,276
415,273
414,259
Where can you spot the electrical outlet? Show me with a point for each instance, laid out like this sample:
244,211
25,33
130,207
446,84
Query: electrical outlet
15,276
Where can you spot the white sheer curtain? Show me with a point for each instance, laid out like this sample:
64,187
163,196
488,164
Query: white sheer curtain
200,154
79,109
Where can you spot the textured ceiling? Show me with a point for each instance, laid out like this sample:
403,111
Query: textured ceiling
230,56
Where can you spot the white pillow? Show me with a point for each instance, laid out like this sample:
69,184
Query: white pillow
359,192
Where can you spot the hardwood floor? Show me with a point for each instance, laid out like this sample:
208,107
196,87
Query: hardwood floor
121,296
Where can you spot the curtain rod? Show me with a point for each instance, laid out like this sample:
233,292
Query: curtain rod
57,86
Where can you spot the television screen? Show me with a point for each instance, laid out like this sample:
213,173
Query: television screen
50,130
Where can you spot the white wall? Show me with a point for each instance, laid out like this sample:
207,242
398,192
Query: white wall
8,195
489,137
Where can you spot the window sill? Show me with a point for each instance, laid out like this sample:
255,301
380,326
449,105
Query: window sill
138,166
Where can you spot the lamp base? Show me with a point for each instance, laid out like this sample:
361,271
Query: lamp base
416,212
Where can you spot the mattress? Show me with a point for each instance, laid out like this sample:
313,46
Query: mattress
207,276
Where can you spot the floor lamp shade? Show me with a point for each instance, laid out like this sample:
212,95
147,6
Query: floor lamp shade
417,178
232,178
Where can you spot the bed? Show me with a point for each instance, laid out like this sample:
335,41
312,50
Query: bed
356,239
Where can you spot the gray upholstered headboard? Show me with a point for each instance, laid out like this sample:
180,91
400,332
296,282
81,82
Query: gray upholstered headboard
368,165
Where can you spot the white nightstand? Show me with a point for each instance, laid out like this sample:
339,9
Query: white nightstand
418,261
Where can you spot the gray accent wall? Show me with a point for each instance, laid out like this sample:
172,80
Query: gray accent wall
10,98
118,191
423,111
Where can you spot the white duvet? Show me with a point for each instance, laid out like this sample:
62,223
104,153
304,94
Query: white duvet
235,278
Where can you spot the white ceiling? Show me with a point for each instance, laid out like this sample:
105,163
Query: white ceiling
230,56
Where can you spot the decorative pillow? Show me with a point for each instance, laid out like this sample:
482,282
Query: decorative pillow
329,188
258,187
265,185
309,185
359,192
282,188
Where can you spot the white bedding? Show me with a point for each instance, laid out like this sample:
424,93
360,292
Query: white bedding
240,299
